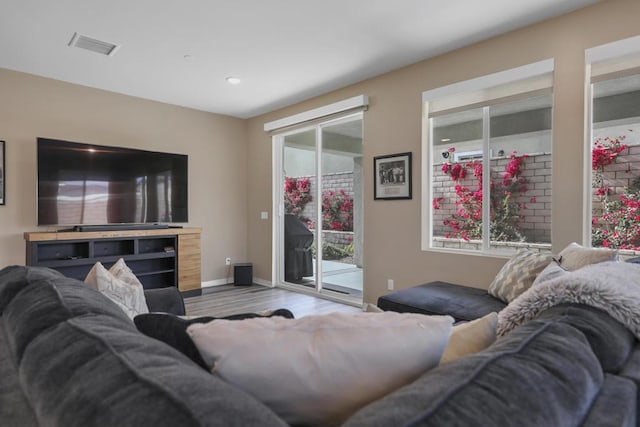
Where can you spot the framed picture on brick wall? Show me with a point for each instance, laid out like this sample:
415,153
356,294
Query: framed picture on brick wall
392,177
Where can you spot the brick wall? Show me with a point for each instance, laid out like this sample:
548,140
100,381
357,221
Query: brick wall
332,181
618,175
535,221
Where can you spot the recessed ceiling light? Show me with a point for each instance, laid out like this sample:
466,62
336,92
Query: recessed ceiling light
233,80
445,140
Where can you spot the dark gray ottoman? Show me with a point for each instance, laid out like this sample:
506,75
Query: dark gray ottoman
463,303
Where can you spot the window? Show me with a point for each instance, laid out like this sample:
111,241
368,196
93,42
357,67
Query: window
500,124
614,139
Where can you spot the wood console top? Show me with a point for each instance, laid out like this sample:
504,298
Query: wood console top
35,236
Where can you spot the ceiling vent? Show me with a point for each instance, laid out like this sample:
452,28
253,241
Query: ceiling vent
97,46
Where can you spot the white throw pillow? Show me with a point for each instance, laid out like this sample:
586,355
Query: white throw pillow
122,271
471,337
127,297
576,256
319,370
518,274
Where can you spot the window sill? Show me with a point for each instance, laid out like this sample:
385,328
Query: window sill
474,247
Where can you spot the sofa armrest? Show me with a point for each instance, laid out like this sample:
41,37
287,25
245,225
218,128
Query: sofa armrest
166,300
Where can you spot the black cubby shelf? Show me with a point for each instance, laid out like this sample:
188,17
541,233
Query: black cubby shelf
152,259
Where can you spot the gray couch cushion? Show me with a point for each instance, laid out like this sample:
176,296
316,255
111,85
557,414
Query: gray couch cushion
81,362
542,374
12,281
42,305
631,368
89,372
14,407
610,340
615,405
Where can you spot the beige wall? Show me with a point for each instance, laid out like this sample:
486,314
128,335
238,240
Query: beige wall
32,106
230,159
393,124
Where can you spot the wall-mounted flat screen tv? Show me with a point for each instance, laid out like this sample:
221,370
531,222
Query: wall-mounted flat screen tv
85,184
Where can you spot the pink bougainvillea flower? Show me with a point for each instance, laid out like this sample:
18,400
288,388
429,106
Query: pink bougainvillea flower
436,202
458,172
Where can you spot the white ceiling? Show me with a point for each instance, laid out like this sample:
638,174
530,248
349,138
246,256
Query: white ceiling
284,51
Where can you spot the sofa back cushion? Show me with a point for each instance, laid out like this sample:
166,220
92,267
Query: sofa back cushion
616,405
41,306
14,406
610,341
82,362
12,281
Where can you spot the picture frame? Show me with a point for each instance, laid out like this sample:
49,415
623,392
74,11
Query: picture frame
2,174
392,177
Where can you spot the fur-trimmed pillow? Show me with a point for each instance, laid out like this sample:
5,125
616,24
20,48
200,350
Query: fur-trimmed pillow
518,274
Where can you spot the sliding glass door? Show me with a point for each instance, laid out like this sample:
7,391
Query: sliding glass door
320,225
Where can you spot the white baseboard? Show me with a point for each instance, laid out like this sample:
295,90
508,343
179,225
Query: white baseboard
217,282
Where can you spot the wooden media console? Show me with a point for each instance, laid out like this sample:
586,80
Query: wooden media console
158,257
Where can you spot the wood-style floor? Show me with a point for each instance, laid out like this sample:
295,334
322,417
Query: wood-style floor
225,300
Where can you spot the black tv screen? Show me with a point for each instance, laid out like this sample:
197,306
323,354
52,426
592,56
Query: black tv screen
85,184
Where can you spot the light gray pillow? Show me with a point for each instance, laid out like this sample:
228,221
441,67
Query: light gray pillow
576,256
518,274
550,272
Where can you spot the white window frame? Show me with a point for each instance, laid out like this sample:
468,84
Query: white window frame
601,60
480,90
316,119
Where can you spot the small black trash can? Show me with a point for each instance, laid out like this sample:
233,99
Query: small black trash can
243,274
298,259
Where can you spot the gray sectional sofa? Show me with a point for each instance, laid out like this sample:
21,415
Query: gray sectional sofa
69,357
